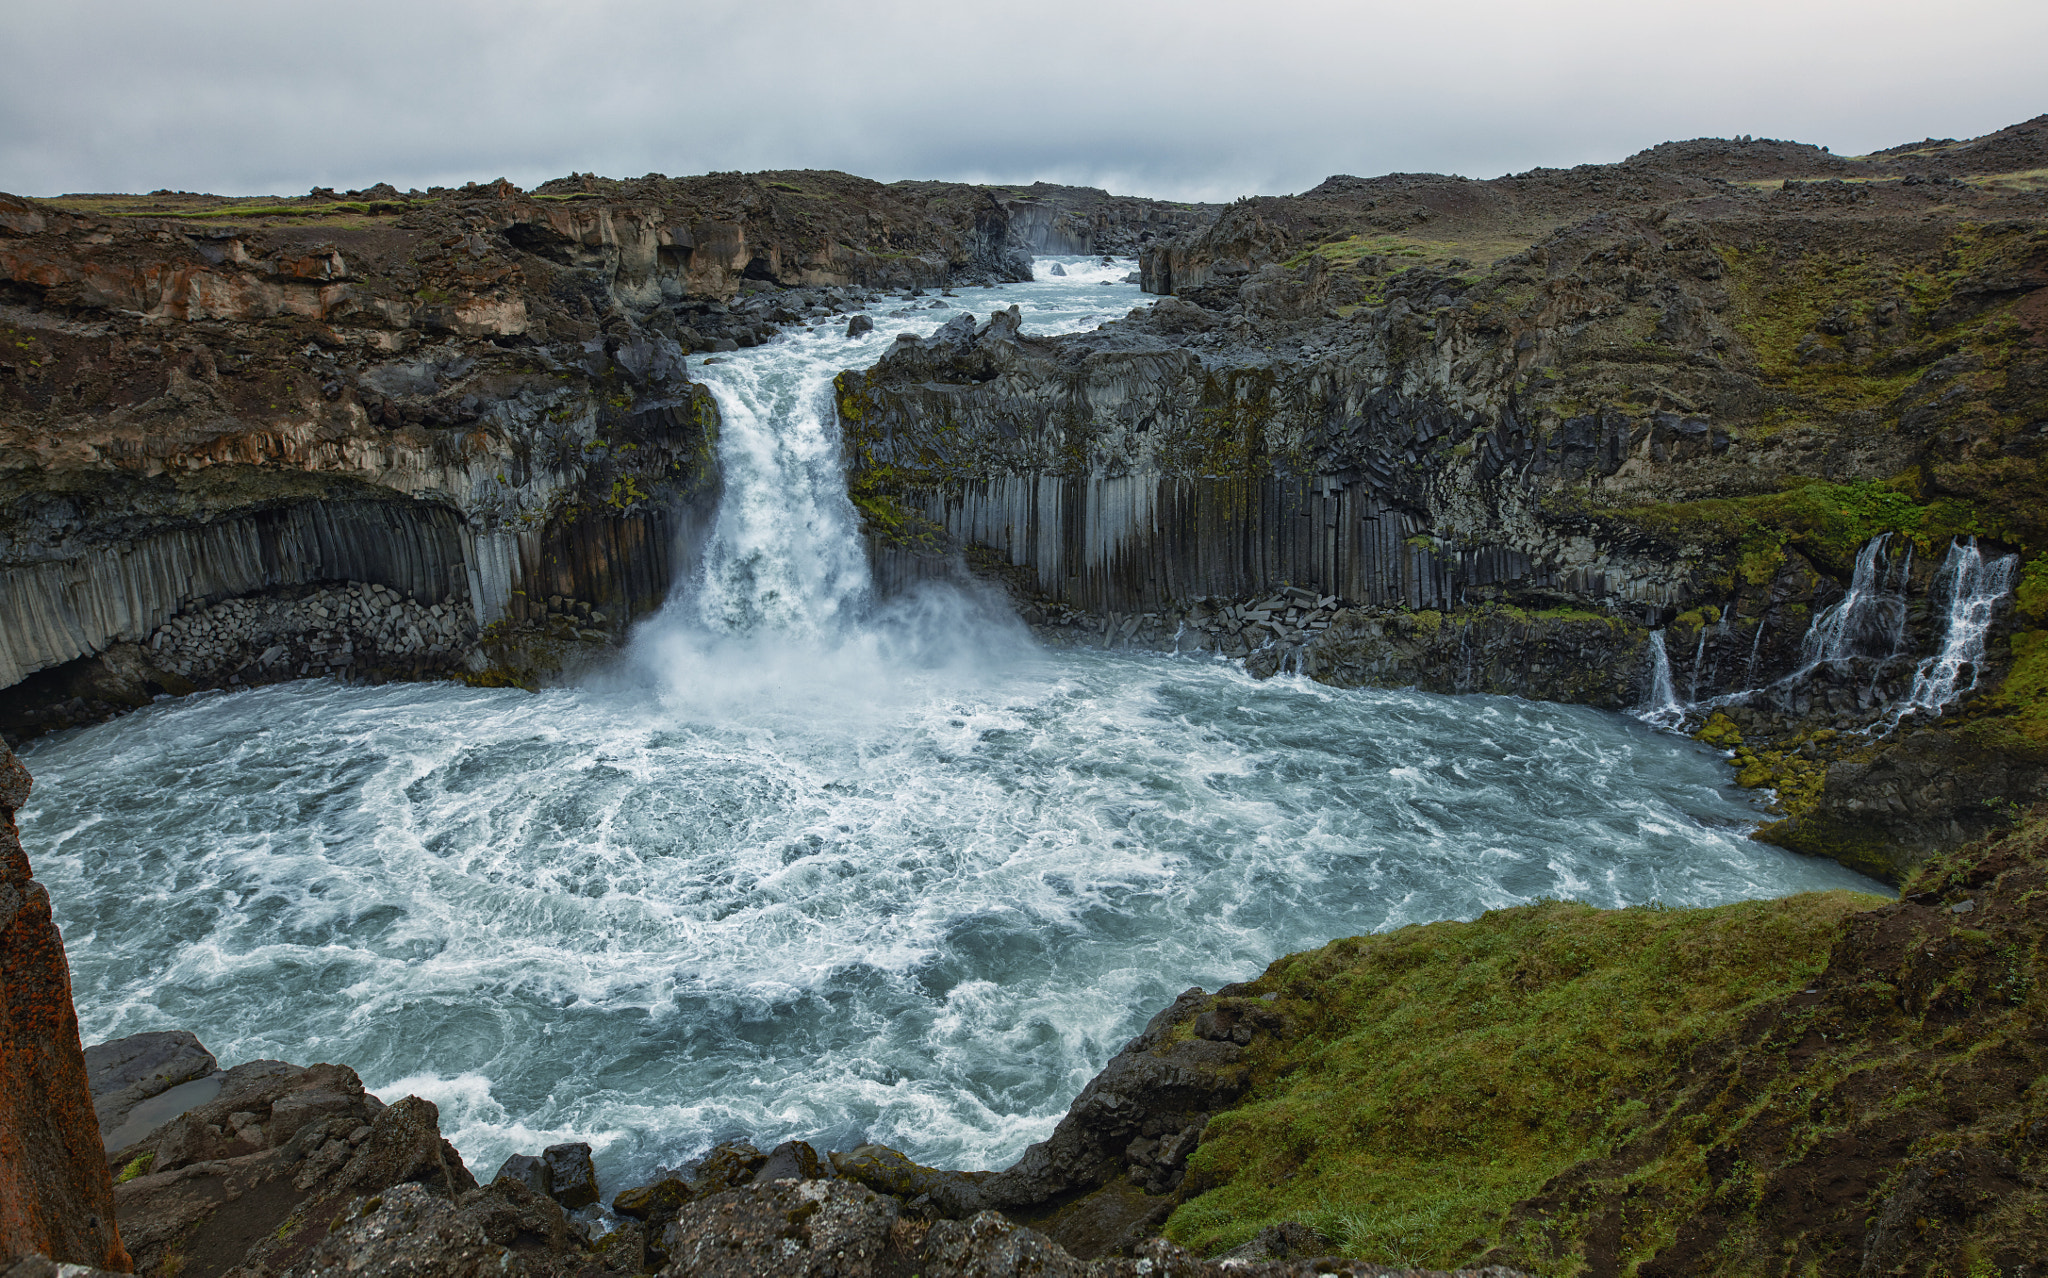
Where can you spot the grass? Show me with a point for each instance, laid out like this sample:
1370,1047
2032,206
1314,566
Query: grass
1353,253
1828,522
1436,1075
212,208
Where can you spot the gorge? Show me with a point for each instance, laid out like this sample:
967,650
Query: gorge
1025,669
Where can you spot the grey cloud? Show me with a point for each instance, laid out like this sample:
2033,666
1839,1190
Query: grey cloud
1201,99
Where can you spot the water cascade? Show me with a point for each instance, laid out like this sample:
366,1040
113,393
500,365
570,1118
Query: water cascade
1661,708
1970,589
1868,621
1866,628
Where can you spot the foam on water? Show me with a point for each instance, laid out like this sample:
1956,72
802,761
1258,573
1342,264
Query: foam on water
584,913
808,866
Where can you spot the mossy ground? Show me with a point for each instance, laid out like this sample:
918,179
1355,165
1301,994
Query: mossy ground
1437,1075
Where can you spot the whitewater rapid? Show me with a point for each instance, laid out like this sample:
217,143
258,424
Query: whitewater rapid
807,863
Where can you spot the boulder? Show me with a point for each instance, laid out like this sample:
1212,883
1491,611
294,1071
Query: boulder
126,1072
791,1160
525,1169
572,1178
932,1191
859,325
1057,269
56,1194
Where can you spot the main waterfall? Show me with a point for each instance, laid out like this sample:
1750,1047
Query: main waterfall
812,863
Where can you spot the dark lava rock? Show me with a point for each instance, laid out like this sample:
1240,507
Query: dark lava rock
791,1160
660,1198
1057,269
571,1175
125,1072
1150,1091
406,1230
525,1169
930,1190
858,325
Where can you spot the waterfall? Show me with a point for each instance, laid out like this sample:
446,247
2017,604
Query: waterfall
1868,624
1699,658
1972,589
1661,709
1868,621
784,555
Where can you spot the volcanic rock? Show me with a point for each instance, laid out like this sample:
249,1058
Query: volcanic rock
56,1194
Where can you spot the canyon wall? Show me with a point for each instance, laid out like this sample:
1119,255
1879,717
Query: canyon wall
1679,394
412,433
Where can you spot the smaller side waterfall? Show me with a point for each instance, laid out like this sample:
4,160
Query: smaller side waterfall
1865,631
1971,589
1662,708
1869,621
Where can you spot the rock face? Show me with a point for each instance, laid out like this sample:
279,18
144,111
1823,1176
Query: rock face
56,1195
251,1179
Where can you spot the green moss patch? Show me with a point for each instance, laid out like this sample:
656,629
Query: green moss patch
1437,1075
1828,522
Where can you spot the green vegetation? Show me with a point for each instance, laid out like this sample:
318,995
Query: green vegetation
191,209
1827,522
1848,335
1436,1075
138,1167
1382,252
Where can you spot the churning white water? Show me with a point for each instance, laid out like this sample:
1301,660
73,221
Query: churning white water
806,864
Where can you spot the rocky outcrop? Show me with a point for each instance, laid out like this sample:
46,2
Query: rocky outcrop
162,458
56,1195
251,1179
785,1229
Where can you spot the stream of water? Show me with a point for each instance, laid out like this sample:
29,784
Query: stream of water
808,864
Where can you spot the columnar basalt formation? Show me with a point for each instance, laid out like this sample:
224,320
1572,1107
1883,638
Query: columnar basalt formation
56,1194
1679,392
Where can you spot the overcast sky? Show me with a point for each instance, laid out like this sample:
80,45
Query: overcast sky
1194,99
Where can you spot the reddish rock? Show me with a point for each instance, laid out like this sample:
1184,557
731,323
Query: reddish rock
56,1194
